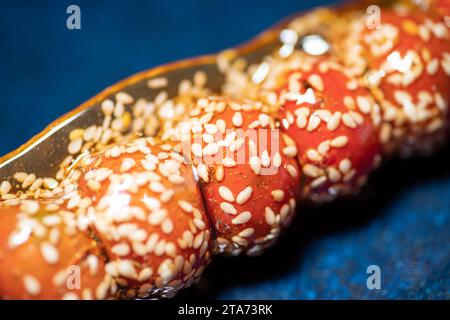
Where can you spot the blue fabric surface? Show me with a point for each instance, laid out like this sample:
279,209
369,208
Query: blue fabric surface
401,222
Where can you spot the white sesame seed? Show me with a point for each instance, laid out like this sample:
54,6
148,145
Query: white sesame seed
334,174
239,240
334,121
53,236
348,120
50,183
121,249
167,226
87,294
32,285
102,290
76,134
115,152
301,120
264,119
202,171
269,216
93,185
167,195
111,269
311,170
246,233
323,114
30,206
345,165
228,208
160,98
440,30
186,206
357,117
276,161
352,84
314,123
219,173
20,176
89,133
385,133
157,216
350,175
290,151
199,223
157,83
237,144
124,97
228,162
316,183
200,78
75,146
229,138
126,269
278,195
313,155
237,119
255,164
176,179
107,107
211,149
51,220
198,240
440,102
226,194
211,128
445,64
145,274
163,155
49,253
292,171
316,81
156,187
197,150
29,180
5,187
36,184
138,235
364,104
221,125
244,195
242,218
208,138
265,159
349,102
188,237
93,263
102,174
324,147
339,142
74,202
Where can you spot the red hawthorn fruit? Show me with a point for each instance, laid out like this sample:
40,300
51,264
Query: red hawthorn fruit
334,122
148,212
44,256
247,169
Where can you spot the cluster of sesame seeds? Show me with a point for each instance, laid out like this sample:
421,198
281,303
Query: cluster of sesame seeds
408,77
408,114
215,123
124,224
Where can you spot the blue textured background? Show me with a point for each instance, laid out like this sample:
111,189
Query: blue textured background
401,222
